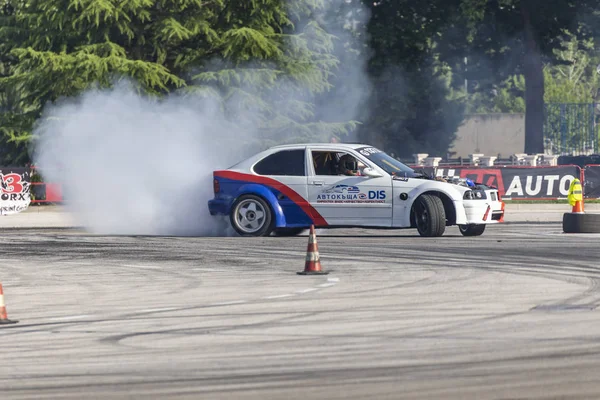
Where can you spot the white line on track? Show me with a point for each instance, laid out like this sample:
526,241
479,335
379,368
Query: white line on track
329,284
307,290
227,303
141,266
69,318
279,296
209,270
76,263
157,310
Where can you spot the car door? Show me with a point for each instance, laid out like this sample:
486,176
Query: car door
287,167
347,200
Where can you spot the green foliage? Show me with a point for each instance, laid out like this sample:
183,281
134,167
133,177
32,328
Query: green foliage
573,79
560,89
515,37
262,61
507,97
510,97
274,65
569,77
571,88
414,108
270,79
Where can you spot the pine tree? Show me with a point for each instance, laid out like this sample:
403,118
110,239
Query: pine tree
275,62
264,61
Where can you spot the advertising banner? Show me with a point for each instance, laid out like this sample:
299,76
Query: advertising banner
591,181
14,190
518,183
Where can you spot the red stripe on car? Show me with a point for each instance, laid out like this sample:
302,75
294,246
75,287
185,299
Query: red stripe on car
486,213
318,220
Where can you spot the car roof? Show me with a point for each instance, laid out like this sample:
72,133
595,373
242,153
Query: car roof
246,164
349,146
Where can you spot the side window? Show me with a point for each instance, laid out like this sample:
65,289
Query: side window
327,162
285,162
324,162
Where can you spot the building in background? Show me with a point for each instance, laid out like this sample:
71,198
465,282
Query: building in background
490,134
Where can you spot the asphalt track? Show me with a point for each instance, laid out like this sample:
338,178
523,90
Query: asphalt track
509,315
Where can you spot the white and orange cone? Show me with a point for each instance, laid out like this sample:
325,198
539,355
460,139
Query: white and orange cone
3,315
312,265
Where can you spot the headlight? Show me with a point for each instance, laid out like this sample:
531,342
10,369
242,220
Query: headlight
475,195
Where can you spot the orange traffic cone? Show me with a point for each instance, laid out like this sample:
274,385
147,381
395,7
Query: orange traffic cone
578,207
3,316
575,196
313,263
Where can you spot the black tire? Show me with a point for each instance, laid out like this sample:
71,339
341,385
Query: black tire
472,229
430,216
285,232
259,223
581,223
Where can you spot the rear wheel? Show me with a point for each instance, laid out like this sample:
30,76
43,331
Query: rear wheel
430,216
288,231
252,216
472,229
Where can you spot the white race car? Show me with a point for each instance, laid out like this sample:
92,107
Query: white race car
286,189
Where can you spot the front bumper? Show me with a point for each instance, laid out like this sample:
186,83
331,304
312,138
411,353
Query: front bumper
484,212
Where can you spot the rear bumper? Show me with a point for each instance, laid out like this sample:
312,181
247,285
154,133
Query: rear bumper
219,207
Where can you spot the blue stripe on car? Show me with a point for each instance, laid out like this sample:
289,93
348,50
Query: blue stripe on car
286,212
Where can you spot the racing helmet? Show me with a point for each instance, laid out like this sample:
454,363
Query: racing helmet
346,164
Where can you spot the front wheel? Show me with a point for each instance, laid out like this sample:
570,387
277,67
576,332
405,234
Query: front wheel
251,216
472,229
430,216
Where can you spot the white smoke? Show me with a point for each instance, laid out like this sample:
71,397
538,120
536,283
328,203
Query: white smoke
133,165
347,20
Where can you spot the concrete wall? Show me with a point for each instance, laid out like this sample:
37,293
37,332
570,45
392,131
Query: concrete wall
490,134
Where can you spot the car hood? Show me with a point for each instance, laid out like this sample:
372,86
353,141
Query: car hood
458,184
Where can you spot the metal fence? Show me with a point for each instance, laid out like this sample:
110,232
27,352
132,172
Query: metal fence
571,128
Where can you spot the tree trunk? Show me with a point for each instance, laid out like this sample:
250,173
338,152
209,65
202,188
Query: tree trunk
534,88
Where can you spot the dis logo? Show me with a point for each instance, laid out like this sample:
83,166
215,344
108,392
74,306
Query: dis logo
377,195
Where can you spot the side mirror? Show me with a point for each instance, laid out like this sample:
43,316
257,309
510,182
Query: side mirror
371,173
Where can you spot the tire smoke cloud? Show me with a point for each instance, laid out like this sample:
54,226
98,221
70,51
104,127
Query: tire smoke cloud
130,164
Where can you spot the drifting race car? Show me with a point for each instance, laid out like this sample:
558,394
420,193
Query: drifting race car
286,189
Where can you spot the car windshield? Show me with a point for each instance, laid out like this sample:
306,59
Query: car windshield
386,162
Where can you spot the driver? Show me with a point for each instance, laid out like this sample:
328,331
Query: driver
348,165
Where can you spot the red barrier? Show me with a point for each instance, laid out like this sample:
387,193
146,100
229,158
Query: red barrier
53,192
517,182
44,192
47,192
